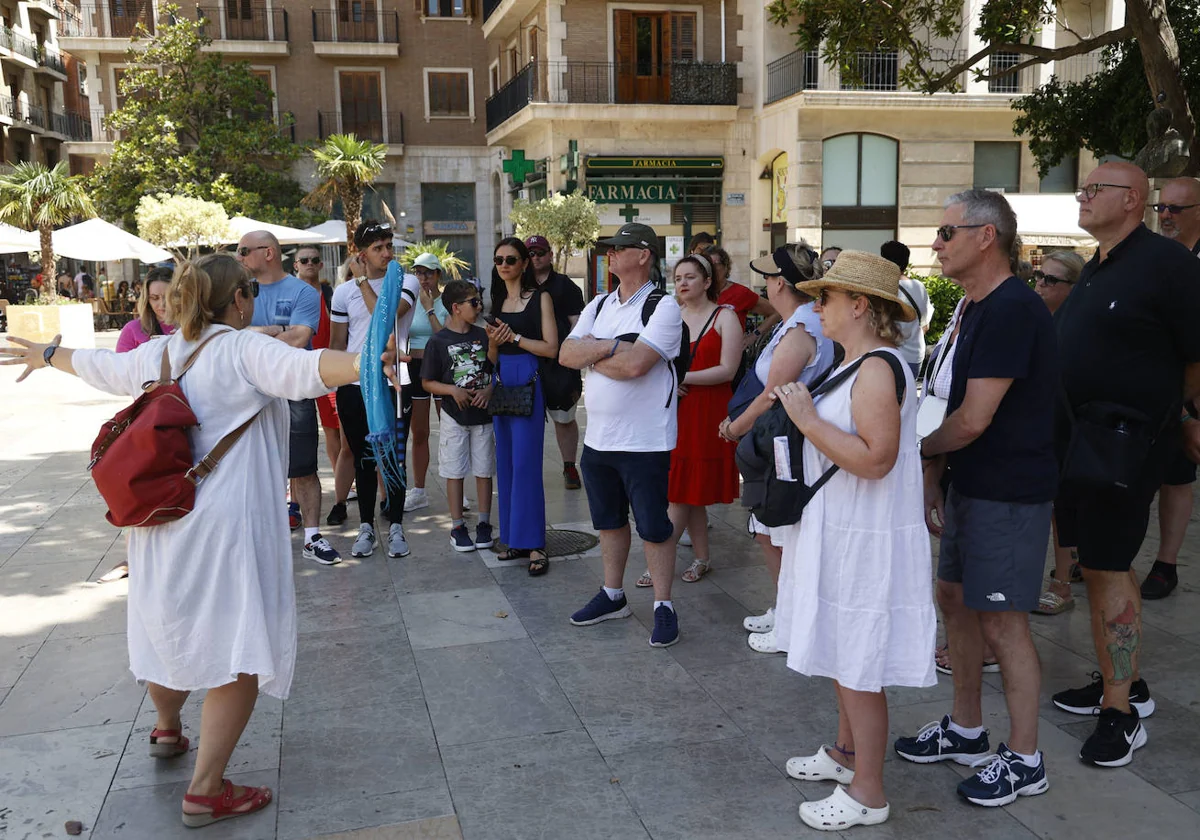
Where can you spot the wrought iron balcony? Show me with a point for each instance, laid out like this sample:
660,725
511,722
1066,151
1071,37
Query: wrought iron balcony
51,59
17,43
255,23
490,6
791,74
606,83
358,25
366,124
108,20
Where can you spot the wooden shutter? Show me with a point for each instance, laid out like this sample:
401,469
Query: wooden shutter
683,36
623,29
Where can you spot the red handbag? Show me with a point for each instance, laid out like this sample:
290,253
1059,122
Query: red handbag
142,458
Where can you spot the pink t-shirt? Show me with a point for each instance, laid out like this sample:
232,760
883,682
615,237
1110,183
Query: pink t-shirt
133,336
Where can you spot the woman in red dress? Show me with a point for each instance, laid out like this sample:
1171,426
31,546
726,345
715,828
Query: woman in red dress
703,471
741,299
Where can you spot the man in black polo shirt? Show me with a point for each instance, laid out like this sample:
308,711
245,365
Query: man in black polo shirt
568,303
1178,211
1127,336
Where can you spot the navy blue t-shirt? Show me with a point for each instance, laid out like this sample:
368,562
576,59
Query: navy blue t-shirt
1009,335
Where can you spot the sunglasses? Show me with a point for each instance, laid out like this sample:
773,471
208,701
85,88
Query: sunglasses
823,295
375,229
1175,209
946,232
1089,192
253,288
509,260
308,261
1050,279
245,252
538,252
475,301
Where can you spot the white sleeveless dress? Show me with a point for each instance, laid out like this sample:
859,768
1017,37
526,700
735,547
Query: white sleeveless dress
855,591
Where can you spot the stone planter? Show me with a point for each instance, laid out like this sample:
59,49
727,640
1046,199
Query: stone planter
41,323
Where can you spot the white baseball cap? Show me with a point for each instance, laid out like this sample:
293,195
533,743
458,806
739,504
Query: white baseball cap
428,260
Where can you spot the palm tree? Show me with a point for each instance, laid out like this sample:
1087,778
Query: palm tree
452,263
34,196
345,166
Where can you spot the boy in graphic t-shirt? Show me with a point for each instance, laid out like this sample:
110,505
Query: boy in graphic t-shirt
457,369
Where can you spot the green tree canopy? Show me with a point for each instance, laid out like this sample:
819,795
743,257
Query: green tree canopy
570,223
197,125
35,196
931,34
182,224
346,166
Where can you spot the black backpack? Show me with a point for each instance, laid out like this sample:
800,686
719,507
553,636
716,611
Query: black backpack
773,500
681,363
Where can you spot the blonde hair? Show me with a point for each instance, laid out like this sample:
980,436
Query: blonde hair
884,317
1069,260
202,289
145,312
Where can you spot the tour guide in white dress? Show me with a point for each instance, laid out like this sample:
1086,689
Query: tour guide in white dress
211,599
854,596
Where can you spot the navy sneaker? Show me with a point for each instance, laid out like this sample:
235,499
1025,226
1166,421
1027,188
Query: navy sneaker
460,538
938,742
666,627
1003,778
483,535
601,608
321,551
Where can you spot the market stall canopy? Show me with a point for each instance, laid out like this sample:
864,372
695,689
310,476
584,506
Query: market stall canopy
1050,219
13,240
101,241
334,232
241,225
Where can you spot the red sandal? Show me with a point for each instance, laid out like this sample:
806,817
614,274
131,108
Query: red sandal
225,805
168,750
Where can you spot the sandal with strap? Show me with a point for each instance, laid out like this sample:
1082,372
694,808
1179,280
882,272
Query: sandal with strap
645,581
225,805
941,661
697,570
539,563
513,554
1051,603
840,811
169,749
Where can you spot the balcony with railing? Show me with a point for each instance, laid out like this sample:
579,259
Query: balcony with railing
51,61
502,17
246,29
791,74
364,123
26,117
46,9
87,134
106,26
356,31
604,83
17,48
1076,68
1017,81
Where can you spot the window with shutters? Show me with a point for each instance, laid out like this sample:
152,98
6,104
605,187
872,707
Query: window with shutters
449,92
445,8
646,44
362,104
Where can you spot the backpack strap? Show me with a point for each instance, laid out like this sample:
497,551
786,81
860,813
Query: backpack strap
650,304
209,462
164,374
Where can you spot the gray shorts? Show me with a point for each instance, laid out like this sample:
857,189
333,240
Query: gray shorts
996,550
302,441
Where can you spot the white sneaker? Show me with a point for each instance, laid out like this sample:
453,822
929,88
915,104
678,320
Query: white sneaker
763,642
416,499
760,623
685,538
397,545
364,546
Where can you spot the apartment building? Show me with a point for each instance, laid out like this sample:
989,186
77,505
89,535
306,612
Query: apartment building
406,74
34,114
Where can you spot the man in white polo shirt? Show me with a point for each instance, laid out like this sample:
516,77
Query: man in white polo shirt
631,409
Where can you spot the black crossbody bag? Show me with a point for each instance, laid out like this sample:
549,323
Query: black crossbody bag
1109,445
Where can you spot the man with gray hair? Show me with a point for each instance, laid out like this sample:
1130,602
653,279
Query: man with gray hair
994,522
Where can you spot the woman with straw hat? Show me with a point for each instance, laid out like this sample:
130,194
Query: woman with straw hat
854,599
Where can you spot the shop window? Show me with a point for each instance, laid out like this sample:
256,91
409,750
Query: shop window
1063,177
998,166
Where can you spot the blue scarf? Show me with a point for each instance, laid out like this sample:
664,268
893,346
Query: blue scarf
385,431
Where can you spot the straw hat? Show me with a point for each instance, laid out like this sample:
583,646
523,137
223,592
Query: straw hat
867,274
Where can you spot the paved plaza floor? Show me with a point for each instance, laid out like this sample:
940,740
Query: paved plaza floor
443,696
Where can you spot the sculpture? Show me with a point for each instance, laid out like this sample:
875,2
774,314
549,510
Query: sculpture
1165,154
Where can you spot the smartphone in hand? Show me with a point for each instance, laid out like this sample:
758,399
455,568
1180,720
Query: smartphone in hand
492,320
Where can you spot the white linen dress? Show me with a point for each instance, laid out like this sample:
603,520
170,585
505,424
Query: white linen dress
211,594
855,596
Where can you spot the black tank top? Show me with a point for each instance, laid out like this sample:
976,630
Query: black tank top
527,323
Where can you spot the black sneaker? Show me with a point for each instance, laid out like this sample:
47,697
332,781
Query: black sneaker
460,538
1086,700
1158,585
337,514
666,627
938,742
1117,735
483,535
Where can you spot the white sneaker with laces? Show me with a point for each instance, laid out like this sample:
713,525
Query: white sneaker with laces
416,499
397,544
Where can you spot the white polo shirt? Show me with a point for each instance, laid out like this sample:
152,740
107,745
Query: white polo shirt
347,307
632,415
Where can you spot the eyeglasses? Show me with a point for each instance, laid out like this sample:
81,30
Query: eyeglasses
509,260
946,232
538,252
1089,192
823,295
1050,279
245,252
1175,209
308,260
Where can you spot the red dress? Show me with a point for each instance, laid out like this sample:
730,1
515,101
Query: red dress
741,299
703,471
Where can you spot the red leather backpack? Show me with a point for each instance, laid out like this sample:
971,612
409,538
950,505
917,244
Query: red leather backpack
142,459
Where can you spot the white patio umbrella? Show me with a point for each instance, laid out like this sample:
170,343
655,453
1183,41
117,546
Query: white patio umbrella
241,225
100,241
13,240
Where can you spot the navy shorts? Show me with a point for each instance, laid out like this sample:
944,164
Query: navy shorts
615,481
996,550
302,441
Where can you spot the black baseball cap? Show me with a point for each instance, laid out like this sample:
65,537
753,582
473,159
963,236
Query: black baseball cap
634,236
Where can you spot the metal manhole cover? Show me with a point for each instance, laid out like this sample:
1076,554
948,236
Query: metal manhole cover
562,543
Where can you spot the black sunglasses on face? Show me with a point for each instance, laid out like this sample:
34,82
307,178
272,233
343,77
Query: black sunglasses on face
245,252
1175,209
476,302
308,260
509,260
538,253
946,232
1050,279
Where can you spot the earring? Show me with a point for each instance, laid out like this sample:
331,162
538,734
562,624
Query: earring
242,317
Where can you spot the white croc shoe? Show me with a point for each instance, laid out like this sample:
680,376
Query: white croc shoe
760,623
763,642
819,768
839,812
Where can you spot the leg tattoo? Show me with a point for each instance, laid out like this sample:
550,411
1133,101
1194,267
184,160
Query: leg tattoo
1123,636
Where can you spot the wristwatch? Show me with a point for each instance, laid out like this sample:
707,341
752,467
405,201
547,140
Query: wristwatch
48,353
516,339
358,281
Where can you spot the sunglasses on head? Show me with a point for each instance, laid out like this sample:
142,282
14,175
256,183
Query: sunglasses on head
1049,279
946,232
509,260
308,260
243,251
1175,209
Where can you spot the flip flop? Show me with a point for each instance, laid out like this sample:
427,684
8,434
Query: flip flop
117,572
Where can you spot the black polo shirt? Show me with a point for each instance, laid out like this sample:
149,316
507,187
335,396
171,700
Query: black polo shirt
1008,335
1131,325
568,301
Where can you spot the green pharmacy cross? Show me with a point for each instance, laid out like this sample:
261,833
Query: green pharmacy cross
518,167
629,212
